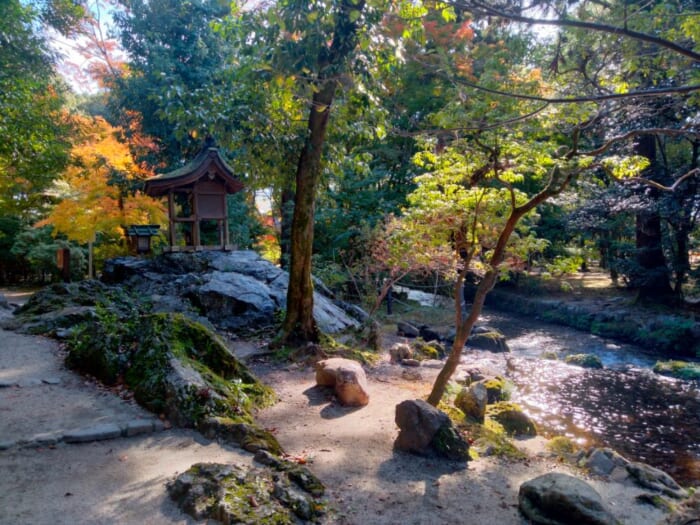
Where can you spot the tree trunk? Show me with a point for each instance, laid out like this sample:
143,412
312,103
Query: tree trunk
299,324
653,280
464,329
286,214
464,326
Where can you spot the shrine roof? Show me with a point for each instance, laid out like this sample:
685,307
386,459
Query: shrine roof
208,163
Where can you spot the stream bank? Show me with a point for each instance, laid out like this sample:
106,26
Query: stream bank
672,335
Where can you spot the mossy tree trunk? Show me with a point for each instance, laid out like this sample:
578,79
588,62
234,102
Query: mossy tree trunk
299,324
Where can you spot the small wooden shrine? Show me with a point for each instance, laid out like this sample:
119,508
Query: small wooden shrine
197,208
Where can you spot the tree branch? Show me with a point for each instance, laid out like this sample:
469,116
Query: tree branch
592,26
647,131
654,184
590,98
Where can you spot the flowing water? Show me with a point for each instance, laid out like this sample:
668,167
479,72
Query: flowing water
646,417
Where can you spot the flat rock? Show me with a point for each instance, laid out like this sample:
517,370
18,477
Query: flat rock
560,499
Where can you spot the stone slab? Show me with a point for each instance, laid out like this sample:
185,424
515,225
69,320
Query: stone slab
96,433
46,439
138,426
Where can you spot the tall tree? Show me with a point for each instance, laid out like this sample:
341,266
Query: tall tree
174,57
331,64
35,129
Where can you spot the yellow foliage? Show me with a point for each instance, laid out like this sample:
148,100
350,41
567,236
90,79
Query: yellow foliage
89,203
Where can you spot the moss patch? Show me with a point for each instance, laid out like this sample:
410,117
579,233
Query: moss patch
497,389
584,360
561,446
237,494
174,366
512,418
678,369
491,439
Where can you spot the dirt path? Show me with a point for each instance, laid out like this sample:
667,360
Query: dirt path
44,480
351,450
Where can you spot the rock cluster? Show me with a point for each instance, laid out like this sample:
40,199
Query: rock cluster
481,337
234,290
607,462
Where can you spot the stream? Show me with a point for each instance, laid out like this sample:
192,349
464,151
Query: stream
644,416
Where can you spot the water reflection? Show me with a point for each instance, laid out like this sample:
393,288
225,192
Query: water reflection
644,416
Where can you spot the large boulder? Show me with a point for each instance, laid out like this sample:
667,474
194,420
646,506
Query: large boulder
348,379
560,499
424,430
178,368
234,290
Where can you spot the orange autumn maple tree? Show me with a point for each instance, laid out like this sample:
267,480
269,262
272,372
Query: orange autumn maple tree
90,200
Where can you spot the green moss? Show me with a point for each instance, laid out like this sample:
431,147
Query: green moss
512,418
670,335
561,446
455,414
678,369
240,430
449,443
656,501
625,329
429,350
584,360
498,389
551,356
491,439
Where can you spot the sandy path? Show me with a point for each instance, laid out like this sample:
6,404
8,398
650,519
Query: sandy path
351,450
118,481
122,481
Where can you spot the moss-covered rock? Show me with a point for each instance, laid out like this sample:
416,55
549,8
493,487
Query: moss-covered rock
512,418
492,340
491,439
242,431
427,350
584,360
472,401
237,494
449,443
177,367
299,474
497,389
678,369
